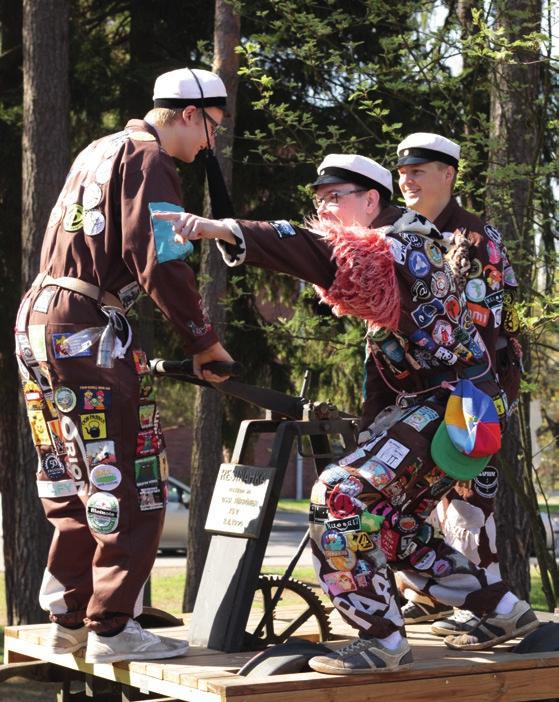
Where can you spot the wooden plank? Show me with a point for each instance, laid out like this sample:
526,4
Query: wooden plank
510,686
420,671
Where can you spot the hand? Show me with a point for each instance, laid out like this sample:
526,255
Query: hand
213,353
188,227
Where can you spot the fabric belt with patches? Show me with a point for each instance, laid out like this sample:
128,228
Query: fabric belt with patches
81,287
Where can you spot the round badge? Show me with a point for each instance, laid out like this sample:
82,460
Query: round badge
102,510
434,254
475,290
103,172
345,562
418,264
475,268
65,399
442,567
407,523
442,332
452,307
92,196
487,482
93,222
333,540
53,466
439,284
423,558
352,486
105,477
425,533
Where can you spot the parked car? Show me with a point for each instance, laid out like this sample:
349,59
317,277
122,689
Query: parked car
173,536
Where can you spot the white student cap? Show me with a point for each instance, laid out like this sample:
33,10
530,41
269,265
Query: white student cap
353,168
423,147
187,86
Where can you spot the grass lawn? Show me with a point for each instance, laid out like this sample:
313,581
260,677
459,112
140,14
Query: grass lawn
294,505
552,502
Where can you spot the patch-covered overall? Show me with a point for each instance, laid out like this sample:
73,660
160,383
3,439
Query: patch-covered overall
102,466
368,511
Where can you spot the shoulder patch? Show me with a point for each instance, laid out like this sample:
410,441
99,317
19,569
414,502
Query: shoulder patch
283,228
141,136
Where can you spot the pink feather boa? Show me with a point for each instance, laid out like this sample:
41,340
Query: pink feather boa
365,285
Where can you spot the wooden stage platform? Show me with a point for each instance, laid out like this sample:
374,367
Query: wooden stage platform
211,676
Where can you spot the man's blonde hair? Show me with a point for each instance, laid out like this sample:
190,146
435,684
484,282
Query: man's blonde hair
163,116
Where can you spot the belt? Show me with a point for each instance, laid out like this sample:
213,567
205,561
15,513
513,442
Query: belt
79,286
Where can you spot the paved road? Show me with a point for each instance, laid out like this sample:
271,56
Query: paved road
289,528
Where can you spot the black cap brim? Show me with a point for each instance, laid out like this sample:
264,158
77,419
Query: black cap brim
410,160
327,179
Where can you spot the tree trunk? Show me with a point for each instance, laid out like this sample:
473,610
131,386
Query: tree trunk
208,409
44,165
515,149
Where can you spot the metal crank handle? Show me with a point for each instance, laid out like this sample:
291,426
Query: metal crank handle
160,366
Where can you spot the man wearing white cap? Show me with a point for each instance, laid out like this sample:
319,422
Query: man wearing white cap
102,466
368,509
427,167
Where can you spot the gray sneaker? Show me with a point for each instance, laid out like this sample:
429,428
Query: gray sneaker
496,628
363,656
460,622
59,639
418,612
132,644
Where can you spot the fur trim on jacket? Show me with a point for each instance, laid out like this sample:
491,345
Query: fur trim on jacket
365,285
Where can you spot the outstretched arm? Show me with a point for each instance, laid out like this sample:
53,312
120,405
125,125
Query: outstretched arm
276,246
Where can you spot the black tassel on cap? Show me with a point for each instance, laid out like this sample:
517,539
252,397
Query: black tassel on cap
220,201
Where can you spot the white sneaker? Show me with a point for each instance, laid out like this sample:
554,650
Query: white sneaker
62,640
132,644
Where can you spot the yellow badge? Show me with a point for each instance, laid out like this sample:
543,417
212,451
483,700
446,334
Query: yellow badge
94,426
359,541
39,428
73,220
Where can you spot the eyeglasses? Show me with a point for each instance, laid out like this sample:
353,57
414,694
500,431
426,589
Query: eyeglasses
333,197
215,127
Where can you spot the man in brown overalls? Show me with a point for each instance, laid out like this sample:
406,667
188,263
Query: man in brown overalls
427,167
368,510
102,466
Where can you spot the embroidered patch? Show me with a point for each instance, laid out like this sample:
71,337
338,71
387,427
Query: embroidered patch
140,361
147,443
98,452
94,426
339,582
39,431
283,228
146,416
94,398
393,453
418,264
